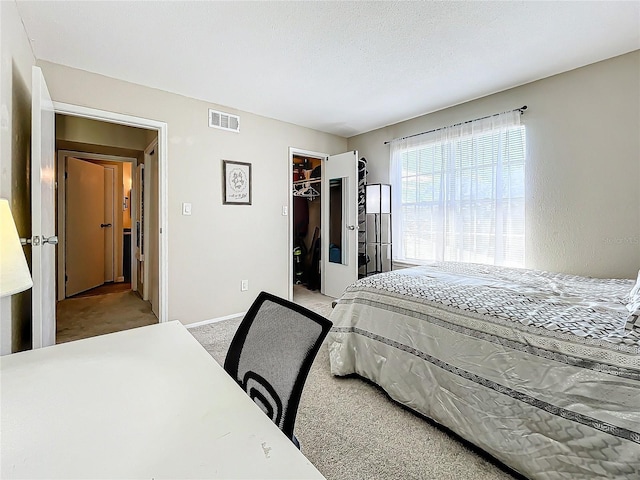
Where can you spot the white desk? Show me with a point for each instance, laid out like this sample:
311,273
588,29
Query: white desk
144,403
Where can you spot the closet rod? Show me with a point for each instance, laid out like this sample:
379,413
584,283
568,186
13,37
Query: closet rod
521,110
310,181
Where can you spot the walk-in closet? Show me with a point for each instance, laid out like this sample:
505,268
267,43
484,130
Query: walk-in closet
307,188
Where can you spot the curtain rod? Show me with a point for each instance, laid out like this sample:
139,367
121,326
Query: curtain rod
521,110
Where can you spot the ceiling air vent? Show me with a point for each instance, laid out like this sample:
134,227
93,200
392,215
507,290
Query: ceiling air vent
224,121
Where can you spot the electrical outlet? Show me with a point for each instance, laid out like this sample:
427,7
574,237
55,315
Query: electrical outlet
244,285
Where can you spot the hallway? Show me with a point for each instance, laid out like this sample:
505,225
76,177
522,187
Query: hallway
89,315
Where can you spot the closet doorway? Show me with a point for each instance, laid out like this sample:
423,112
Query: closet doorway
306,215
323,227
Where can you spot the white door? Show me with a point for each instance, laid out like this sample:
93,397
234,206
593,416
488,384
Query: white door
152,263
43,254
84,239
339,223
139,237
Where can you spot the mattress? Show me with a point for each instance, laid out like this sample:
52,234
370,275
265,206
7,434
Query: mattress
535,368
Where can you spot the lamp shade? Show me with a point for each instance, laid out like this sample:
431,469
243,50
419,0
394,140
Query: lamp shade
378,197
14,271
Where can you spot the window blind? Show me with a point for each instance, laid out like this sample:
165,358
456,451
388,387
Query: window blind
459,193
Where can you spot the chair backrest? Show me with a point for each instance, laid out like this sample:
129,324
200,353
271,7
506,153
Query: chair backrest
271,354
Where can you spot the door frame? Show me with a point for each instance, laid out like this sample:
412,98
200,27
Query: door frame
145,226
61,213
163,214
116,206
298,152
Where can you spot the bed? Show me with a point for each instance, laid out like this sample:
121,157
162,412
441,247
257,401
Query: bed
535,368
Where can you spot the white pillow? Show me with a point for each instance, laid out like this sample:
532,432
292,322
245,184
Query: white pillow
633,320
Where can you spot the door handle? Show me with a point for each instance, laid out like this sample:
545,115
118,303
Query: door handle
351,227
36,242
52,240
105,225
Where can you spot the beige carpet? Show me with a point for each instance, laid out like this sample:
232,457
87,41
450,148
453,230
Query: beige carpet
91,316
350,429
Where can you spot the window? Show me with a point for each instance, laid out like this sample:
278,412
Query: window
459,193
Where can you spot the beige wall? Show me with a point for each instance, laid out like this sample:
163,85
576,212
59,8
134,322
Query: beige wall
216,247
583,164
15,138
78,129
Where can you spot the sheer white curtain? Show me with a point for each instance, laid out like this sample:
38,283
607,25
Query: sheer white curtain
458,193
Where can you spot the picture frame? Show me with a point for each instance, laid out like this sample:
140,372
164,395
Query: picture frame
236,178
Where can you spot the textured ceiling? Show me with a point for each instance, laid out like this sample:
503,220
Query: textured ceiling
339,67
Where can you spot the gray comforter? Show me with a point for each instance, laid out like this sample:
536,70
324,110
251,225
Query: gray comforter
533,367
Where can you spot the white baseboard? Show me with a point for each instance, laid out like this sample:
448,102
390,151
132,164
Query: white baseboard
119,279
215,320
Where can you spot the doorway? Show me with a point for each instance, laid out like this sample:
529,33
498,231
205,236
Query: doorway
306,212
43,202
94,209
326,258
98,206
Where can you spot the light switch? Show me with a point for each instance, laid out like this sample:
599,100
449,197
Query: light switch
285,210
186,209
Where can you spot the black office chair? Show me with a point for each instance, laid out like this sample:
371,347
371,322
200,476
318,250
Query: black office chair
271,354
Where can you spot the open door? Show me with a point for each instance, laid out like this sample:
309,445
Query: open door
42,213
152,263
140,226
339,223
85,235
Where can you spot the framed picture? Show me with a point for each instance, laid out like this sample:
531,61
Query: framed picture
237,183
